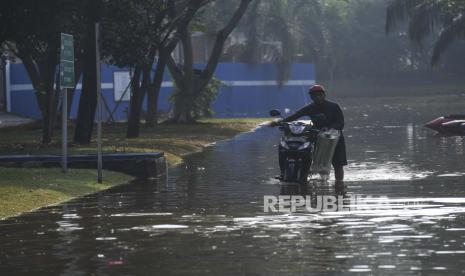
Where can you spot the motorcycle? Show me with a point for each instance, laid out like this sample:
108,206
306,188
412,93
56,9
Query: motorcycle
296,148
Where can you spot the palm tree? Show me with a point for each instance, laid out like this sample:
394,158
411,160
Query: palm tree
425,17
275,31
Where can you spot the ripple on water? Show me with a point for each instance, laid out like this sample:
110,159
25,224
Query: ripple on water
456,174
374,171
140,214
66,226
169,226
106,239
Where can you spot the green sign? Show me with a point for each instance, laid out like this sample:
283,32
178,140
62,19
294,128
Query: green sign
67,48
67,61
67,74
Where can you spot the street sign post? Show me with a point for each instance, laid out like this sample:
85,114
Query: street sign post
67,61
99,104
66,81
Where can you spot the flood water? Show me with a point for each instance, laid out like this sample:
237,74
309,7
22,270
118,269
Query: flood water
208,217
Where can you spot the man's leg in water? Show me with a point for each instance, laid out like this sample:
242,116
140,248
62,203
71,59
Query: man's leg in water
339,159
282,161
339,173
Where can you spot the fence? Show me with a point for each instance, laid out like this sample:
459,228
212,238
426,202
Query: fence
248,90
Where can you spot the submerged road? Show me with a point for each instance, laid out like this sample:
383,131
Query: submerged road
208,217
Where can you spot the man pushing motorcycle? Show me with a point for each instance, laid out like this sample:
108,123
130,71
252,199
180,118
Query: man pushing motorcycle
325,115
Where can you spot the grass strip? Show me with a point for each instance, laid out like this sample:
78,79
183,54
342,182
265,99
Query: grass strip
24,189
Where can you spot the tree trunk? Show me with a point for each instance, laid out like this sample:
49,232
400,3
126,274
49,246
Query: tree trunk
42,75
184,100
217,50
88,99
48,70
34,75
190,87
153,91
183,106
137,97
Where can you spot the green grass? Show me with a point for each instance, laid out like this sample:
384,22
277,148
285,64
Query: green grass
24,189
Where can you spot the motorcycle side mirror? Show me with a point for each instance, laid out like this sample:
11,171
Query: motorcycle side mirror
275,113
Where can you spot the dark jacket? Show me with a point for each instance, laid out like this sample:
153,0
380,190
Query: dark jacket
327,114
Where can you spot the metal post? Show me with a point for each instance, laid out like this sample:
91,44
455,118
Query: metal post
64,130
8,85
99,103
2,84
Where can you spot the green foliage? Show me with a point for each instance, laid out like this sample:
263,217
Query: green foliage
429,17
132,30
31,28
202,103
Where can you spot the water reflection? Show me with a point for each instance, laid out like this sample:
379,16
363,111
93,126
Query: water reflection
207,217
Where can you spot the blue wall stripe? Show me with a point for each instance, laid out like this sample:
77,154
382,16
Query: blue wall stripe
22,87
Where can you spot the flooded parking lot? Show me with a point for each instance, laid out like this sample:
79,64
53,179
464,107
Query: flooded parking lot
207,217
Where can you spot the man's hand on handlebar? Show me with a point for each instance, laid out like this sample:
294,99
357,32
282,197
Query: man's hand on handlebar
275,123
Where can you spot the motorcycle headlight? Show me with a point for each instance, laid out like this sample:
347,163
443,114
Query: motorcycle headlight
304,145
297,129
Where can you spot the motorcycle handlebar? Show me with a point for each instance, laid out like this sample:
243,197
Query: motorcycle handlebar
282,124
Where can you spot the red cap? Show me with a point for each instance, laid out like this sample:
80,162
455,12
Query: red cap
317,88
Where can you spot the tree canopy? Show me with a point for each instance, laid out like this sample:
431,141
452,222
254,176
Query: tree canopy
428,17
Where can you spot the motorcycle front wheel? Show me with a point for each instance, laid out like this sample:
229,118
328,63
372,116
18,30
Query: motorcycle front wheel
290,173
